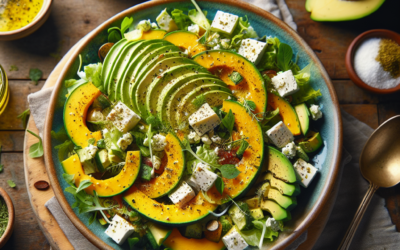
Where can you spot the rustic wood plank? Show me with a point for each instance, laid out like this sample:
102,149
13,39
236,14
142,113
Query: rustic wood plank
27,233
19,91
349,93
12,141
367,113
331,39
67,24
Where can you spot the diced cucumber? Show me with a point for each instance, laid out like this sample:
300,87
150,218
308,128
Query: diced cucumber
236,77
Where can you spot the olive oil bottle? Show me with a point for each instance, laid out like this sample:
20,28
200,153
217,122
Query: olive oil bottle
4,90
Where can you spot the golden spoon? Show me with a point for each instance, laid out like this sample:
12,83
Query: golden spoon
380,166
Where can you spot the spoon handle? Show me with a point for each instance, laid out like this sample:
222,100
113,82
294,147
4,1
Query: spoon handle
357,217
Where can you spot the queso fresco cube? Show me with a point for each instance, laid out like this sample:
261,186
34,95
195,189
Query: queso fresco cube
224,22
252,49
119,229
123,118
204,177
306,171
285,83
182,195
280,135
204,119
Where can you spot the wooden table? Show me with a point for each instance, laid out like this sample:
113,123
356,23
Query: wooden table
71,20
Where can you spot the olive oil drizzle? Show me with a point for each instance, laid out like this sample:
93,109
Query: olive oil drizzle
18,13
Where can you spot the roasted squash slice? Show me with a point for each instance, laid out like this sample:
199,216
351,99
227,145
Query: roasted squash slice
179,242
194,210
223,63
109,187
153,34
252,160
186,41
75,111
286,111
164,183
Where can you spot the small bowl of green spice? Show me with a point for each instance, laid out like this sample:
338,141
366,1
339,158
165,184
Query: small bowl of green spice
7,217
373,61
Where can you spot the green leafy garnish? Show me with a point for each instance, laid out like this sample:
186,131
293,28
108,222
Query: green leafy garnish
36,150
115,33
64,149
228,122
202,21
113,171
126,23
3,216
306,91
243,146
35,75
219,184
101,143
24,116
146,172
236,77
114,36
11,183
61,135
229,171
199,101
181,20
93,73
241,32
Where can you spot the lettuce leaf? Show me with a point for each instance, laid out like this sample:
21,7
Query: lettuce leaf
256,236
198,19
181,20
306,92
243,30
269,60
205,153
93,73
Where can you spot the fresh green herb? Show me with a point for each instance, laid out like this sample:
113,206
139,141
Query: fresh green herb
229,171
13,68
91,141
69,178
36,150
228,122
24,116
199,101
236,77
113,171
181,20
61,135
144,151
92,218
269,115
219,184
77,147
219,112
3,216
114,36
250,106
11,183
243,30
101,143
243,146
35,75
64,150
146,172
285,54
84,184
126,23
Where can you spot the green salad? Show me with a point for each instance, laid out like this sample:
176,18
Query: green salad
190,133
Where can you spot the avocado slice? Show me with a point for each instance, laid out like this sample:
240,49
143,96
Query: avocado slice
304,117
257,213
277,212
283,187
241,216
312,142
109,61
338,10
270,193
214,98
172,95
253,202
147,92
158,234
280,166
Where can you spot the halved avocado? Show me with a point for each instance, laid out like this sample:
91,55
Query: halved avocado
286,111
223,63
339,10
186,40
303,115
283,187
284,201
311,143
280,166
277,212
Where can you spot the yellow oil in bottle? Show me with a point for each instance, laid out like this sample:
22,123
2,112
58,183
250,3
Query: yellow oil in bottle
4,90
15,14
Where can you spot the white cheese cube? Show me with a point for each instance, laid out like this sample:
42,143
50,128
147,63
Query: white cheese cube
204,177
158,143
119,229
280,135
123,118
224,22
90,151
165,21
285,83
182,195
204,119
216,139
315,111
252,49
206,140
193,137
194,28
234,241
125,141
192,182
289,150
306,171
274,224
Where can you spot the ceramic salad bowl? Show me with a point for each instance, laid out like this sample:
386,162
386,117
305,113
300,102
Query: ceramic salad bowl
327,160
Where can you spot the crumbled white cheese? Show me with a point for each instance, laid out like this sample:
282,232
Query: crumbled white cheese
280,135
144,25
306,171
206,140
165,21
123,118
154,26
224,22
225,43
252,49
156,162
204,119
285,83
204,177
95,116
274,224
182,195
194,28
216,139
125,141
91,151
158,143
289,150
193,137
119,229
315,111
